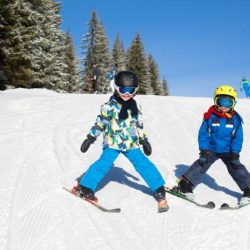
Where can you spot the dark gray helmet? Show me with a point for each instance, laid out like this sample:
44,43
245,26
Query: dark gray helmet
127,79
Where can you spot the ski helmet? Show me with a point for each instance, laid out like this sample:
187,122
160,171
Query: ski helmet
126,78
225,91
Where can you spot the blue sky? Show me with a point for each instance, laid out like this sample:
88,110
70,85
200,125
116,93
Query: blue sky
198,44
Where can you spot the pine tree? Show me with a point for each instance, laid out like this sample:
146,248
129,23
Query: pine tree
48,61
165,87
118,55
3,21
95,50
31,43
16,35
137,62
73,77
154,75
103,61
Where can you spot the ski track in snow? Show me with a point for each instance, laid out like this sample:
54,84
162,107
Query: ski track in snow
41,133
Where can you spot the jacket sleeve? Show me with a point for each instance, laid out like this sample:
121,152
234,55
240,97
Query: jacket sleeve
237,140
140,126
101,121
204,136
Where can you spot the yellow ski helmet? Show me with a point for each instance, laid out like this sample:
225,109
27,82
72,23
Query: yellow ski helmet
225,90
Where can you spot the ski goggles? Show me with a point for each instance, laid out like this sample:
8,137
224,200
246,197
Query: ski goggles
226,102
123,90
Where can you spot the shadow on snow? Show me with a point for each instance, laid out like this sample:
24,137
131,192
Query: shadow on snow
119,175
207,180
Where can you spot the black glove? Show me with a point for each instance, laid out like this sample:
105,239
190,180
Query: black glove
204,154
86,143
146,146
235,158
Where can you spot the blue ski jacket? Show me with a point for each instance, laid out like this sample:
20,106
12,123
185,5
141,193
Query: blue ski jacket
221,135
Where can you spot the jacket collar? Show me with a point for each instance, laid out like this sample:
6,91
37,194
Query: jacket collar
214,110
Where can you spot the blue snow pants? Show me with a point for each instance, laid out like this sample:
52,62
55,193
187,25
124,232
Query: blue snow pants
141,163
237,170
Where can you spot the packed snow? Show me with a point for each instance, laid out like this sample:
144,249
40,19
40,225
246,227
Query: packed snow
41,132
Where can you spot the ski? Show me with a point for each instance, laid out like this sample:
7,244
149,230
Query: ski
209,205
94,203
226,206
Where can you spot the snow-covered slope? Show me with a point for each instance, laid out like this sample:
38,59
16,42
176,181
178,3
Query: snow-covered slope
40,136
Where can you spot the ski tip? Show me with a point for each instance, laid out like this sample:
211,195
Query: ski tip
115,210
224,205
211,204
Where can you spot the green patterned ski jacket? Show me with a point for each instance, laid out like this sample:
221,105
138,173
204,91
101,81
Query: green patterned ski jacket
118,134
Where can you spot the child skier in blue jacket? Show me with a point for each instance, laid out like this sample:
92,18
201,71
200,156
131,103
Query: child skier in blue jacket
120,121
220,137
245,85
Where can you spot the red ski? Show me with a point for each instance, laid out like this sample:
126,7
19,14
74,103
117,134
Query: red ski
94,203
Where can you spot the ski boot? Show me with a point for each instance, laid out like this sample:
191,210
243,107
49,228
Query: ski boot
161,199
185,187
87,193
246,196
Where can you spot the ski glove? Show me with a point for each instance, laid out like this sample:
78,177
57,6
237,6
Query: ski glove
146,146
87,142
235,158
204,154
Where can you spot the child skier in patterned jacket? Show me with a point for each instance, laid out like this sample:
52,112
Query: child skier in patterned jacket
220,137
120,121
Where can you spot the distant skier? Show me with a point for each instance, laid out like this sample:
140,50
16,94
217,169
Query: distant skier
245,85
111,76
121,122
220,137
